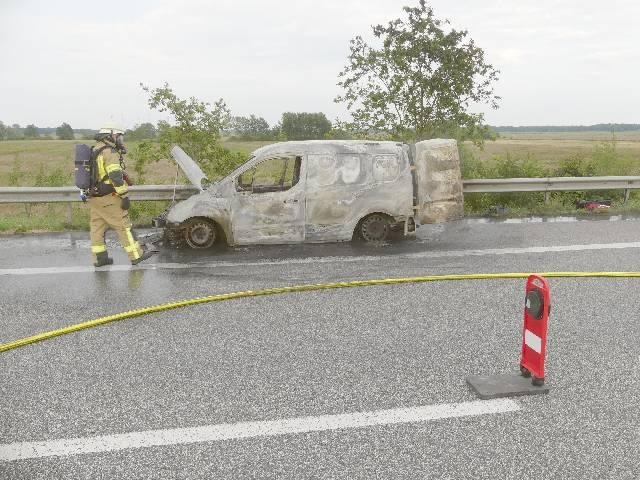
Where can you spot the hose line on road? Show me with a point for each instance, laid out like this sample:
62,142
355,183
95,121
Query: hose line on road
299,288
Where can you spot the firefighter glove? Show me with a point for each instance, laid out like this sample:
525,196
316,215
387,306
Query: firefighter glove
125,203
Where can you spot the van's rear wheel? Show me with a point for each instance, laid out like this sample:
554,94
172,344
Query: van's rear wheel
375,228
200,233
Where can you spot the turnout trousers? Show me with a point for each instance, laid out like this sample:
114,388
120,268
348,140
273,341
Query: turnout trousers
106,213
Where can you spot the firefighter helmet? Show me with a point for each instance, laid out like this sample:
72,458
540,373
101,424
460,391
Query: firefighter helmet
111,129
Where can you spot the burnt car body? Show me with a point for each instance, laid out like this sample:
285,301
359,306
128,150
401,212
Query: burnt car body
308,191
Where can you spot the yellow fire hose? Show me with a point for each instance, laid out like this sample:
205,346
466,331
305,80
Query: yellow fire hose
299,288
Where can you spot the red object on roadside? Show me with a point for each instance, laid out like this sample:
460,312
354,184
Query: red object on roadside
534,334
593,206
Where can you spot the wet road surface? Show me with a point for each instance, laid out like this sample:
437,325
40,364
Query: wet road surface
320,355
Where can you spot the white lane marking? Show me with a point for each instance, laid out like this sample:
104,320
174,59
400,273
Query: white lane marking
533,341
318,260
235,431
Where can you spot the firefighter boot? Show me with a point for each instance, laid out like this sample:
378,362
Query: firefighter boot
145,254
103,259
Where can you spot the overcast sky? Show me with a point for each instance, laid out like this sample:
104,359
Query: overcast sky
562,62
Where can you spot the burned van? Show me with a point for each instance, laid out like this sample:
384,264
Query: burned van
311,191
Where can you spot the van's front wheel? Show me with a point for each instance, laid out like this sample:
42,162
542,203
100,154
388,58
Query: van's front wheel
375,228
200,233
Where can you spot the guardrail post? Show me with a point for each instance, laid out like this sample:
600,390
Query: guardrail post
627,192
547,197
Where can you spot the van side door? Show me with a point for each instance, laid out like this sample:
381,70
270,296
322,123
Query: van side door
268,204
335,181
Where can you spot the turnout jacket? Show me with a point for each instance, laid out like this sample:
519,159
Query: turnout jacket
109,172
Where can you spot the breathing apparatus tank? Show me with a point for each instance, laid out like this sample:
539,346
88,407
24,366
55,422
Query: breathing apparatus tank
83,167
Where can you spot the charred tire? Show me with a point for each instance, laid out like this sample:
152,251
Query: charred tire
375,228
200,233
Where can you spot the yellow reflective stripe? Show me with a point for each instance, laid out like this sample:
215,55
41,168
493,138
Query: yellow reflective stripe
132,248
133,245
113,167
121,190
98,248
101,171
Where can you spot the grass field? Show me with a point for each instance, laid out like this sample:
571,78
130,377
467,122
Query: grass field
550,149
26,163
50,163
22,161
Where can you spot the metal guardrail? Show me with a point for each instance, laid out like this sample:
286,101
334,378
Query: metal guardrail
549,184
72,194
483,185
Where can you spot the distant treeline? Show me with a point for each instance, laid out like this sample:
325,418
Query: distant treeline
30,132
600,127
292,126
51,131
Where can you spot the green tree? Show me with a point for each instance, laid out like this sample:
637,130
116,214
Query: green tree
304,126
196,129
276,133
420,82
251,128
3,131
31,131
339,131
144,131
14,132
65,132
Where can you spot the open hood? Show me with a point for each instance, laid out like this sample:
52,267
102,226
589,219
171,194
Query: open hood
190,168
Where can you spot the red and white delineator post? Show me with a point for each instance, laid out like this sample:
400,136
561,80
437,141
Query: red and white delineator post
534,334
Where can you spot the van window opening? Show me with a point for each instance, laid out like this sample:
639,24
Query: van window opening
386,168
273,175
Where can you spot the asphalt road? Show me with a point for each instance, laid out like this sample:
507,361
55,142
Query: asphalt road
316,354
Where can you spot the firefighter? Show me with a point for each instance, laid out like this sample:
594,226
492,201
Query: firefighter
108,200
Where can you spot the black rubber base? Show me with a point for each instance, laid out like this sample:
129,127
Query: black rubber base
506,385
103,261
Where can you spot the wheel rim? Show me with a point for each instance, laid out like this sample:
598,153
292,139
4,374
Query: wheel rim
200,235
375,228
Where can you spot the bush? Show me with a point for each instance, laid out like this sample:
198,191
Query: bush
499,166
575,166
605,159
16,175
470,165
142,155
197,130
51,178
609,161
141,213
